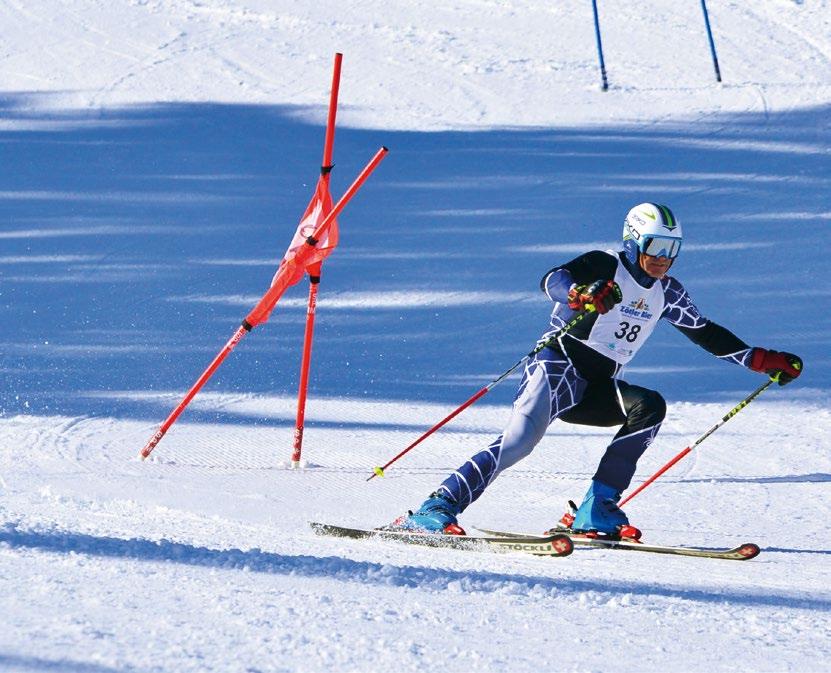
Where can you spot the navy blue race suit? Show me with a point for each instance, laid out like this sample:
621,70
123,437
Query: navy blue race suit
577,381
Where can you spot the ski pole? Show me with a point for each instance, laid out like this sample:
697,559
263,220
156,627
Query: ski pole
741,405
379,471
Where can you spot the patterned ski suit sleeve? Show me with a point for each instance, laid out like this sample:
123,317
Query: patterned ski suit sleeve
587,268
680,310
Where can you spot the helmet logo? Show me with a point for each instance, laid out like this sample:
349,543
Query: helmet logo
668,220
630,228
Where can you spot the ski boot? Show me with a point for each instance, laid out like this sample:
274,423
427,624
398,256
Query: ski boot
599,515
436,515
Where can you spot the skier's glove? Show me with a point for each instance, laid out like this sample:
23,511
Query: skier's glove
786,365
601,294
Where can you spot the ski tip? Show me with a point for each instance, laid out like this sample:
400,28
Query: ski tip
562,544
748,550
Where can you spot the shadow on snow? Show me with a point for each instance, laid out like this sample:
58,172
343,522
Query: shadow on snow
348,570
134,240
10,662
814,477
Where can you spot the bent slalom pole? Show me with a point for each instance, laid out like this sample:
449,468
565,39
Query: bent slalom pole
315,274
741,405
379,471
262,310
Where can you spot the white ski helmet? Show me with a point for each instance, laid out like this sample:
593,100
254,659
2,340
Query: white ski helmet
652,229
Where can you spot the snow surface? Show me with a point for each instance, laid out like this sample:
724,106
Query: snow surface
156,157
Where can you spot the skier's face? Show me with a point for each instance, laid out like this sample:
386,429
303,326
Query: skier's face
656,267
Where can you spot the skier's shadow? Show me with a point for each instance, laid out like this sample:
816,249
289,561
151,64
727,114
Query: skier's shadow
814,477
13,662
364,572
789,550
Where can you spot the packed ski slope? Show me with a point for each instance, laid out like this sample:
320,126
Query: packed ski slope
156,157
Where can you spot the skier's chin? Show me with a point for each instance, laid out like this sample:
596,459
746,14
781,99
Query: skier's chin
654,268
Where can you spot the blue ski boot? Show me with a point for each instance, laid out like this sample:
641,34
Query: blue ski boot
599,513
437,515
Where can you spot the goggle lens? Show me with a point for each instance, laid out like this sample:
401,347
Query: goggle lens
658,246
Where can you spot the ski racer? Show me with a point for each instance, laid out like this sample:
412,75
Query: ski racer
576,379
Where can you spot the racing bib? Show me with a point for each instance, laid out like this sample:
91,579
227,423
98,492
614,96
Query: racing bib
621,332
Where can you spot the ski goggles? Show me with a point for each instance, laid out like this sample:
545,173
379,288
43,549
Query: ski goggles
660,246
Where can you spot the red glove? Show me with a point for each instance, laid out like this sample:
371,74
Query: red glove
787,365
601,294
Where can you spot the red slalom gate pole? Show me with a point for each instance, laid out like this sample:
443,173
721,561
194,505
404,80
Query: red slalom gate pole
314,278
303,386
232,342
301,258
741,405
379,471
268,301
329,140
347,195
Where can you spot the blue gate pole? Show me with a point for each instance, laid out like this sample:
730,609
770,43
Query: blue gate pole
600,46
710,37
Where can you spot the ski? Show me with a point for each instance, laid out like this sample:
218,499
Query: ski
743,552
557,544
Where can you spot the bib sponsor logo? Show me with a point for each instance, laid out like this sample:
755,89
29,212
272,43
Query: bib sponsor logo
637,309
617,348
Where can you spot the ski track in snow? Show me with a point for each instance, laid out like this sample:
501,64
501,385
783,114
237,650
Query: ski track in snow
156,155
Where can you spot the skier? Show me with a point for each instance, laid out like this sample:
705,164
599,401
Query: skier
576,380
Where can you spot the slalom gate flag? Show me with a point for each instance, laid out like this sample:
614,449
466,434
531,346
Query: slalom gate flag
300,258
